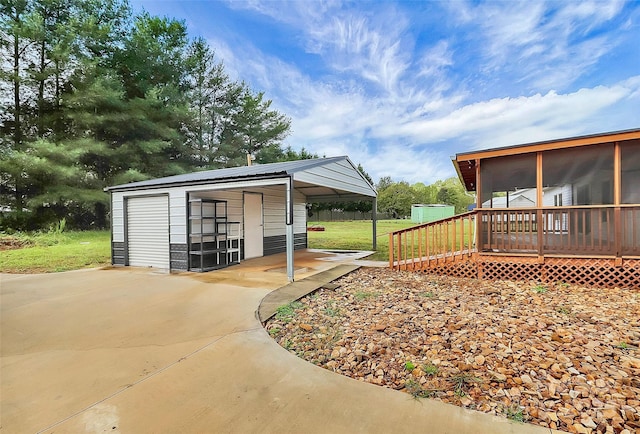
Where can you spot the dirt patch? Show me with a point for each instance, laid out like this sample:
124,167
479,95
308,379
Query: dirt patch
8,242
558,356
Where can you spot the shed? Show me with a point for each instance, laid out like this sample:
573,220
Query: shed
207,220
425,213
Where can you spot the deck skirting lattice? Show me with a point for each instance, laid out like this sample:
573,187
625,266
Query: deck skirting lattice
594,272
454,269
597,272
518,268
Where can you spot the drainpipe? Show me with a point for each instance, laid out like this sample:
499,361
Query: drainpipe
289,227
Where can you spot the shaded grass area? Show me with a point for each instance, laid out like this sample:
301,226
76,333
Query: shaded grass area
55,251
355,235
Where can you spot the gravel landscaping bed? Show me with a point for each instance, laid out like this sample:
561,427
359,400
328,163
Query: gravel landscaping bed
559,356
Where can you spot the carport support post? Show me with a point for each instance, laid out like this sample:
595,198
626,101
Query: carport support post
289,232
374,210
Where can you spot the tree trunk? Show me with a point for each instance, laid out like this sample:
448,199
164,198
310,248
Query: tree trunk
17,115
17,132
41,90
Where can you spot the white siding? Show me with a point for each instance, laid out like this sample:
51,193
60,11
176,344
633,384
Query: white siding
148,231
117,217
273,196
177,216
567,195
274,203
551,192
299,213
234,203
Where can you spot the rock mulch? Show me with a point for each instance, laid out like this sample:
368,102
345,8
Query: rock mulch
560,356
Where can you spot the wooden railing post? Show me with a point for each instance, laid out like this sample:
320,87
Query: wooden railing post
478,230
400,250
420,246
391,248
540,228
617,225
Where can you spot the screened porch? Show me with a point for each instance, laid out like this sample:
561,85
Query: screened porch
582,200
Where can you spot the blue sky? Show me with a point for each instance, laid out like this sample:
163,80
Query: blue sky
401,86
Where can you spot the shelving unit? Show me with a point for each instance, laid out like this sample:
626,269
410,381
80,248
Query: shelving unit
211,244
232,229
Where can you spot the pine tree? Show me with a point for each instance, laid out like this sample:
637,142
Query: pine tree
99,98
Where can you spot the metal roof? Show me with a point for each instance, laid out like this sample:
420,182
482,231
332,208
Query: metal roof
258,171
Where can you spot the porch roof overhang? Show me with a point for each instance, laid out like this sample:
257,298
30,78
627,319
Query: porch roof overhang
466,162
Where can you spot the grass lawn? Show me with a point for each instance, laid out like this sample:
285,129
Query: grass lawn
52,252
355,235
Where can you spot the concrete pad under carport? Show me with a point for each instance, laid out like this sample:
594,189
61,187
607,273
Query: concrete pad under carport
132,351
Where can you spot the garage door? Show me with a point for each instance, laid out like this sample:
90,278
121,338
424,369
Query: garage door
148,231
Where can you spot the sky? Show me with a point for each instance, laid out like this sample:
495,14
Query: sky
402,86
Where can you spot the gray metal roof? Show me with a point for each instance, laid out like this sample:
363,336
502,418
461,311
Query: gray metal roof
236,173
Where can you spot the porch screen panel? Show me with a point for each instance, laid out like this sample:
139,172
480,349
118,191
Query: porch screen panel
630,153
508,182
583,175
580,178
630,195
509,176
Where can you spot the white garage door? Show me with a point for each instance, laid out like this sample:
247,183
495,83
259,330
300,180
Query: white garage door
148,231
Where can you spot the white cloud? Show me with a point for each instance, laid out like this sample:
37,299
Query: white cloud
546,44
369,45
435,60
421,111
507,121
411,138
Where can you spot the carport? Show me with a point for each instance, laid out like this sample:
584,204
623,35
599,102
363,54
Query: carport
208,220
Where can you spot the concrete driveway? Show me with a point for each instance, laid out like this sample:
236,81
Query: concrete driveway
131,351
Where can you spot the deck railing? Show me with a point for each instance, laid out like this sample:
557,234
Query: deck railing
596,230
590,231
417,247
630,229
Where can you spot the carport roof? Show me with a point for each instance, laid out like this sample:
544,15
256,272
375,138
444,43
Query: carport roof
333,176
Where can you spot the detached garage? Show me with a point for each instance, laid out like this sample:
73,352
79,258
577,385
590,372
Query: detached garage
208,220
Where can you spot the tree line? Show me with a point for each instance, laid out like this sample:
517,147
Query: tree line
92,95
396,197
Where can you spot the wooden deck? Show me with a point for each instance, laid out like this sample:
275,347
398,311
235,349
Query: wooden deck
596,246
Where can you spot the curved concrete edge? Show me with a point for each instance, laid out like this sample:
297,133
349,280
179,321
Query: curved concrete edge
171,354
381,409
361,399
298,289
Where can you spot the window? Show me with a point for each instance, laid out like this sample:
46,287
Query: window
557,199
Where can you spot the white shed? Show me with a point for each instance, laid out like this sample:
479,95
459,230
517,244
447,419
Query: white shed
206,220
